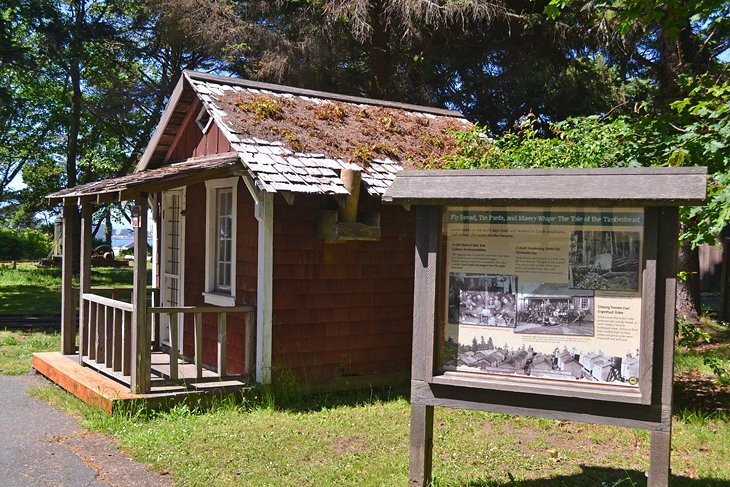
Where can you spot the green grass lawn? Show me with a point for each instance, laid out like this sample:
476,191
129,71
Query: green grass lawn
34,291
362,439
17,348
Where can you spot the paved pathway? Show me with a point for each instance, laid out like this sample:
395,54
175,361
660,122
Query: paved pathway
41,446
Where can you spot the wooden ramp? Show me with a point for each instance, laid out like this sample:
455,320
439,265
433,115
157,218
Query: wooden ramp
109,395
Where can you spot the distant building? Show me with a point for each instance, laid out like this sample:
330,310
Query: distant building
601,368
542,362
574,368
630,367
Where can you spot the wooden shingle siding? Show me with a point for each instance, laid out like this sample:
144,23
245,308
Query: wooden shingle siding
246,254
341,309
193,143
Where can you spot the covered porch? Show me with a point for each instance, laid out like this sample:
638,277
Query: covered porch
126,343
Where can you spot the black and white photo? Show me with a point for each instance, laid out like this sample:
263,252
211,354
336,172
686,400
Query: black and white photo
482,299
554,309
487,355
605,260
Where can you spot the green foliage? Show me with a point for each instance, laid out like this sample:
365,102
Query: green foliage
689,334
24,244
701,342
719,366
263,106
576,142
80,93
695,132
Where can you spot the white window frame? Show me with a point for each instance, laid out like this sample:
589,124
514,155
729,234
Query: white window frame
211,295
587,303
204,127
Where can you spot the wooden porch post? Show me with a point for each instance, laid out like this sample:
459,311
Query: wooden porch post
68,313
85,275
141,354
264,287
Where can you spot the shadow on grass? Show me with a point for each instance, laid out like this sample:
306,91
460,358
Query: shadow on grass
286,395
30,300
700,396
115,276
599,476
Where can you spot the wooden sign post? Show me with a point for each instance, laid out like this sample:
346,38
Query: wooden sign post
547,293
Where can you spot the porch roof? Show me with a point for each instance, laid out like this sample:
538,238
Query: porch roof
153,180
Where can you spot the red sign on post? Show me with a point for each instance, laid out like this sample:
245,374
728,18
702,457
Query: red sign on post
135,216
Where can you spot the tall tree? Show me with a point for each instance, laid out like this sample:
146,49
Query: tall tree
493,60
103,71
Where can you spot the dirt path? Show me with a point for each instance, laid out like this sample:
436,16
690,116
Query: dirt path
41,446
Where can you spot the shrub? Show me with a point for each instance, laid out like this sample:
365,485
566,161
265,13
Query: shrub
28,243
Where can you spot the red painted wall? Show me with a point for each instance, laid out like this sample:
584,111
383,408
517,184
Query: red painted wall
193,143
342,309
246,268
339,310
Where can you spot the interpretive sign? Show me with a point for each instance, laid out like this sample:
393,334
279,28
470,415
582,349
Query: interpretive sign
547,293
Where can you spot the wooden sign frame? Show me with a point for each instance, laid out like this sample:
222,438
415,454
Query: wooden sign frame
658,192
636,392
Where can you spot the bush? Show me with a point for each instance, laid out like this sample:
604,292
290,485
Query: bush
24,244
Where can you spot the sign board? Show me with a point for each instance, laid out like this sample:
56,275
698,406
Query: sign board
543,293
547,293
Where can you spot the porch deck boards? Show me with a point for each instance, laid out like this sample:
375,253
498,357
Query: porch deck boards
108,394
160,372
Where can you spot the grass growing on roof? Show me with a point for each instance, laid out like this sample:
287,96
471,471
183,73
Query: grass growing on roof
263,106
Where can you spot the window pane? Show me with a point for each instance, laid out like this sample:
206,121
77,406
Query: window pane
224,238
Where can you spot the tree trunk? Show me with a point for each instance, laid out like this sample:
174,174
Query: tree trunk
688,285
75,120
381,61
108,230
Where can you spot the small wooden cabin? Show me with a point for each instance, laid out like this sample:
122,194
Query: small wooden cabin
272,253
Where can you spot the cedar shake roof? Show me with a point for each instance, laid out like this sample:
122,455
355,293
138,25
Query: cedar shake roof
158,179
299,145
303,147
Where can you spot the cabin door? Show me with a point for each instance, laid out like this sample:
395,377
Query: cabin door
172,260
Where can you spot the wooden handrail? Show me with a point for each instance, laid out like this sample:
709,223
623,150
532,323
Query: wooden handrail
201,309
107,341
106,334
153,290
112,303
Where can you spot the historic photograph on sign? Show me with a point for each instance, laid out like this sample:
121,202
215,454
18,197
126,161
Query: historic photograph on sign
604,260
487,300
554,309
548,293
486,356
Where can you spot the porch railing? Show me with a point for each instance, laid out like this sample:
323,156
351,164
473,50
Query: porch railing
105,338
173,314
106,344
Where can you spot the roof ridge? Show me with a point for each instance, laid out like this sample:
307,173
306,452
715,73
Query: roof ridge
214,78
